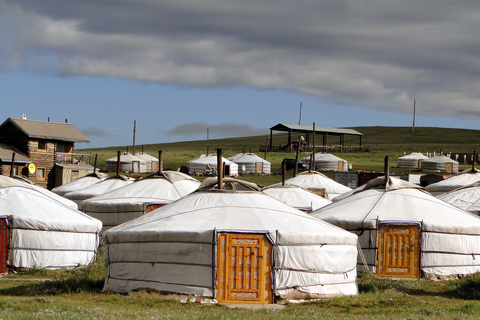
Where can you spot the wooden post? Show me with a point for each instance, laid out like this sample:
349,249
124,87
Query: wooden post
219,169
386,169
95,164
296,159
134,129
313,150
118,164
13,164
160,162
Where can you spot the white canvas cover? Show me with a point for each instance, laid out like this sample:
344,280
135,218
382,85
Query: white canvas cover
437,163
315,180
148,160
79,183
97,189
410,160
297,197
454,182
247,163
45,233
326,161
172,248
130,201
466,198
128,163
450,243
197,166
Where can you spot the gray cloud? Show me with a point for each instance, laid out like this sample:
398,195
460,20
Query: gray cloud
94,132
378,54
215,131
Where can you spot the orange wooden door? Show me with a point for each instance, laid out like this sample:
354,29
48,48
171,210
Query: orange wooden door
398,251
3,245
340,165
258,167
244,268
449,167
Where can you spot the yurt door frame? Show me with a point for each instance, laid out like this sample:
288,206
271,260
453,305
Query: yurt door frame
340,165
399,250
448,167
258,167
3,245
244,268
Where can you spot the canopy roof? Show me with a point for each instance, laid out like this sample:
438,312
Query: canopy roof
320,130
6,152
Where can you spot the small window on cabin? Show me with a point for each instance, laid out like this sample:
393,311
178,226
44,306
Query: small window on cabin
42,145
15,171
41,173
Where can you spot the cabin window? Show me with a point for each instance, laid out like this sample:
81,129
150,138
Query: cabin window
15,171
41,173
42,145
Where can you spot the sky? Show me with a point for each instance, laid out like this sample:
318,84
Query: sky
192,70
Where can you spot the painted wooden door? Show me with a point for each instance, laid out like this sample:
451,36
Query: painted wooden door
244,268
449,167
258,167
398,251
340,166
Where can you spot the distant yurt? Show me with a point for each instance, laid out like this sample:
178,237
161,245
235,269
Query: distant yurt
233,244
412,160
80,183
128,163
459,180
136,199
40,232
440,163
207,165
297,197
250,163
151,163
327,162
97,189
318,183
466,198
406,232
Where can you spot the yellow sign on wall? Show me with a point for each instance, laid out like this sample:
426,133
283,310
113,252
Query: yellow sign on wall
31,168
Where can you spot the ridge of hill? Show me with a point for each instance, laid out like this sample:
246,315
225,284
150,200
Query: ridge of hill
377,142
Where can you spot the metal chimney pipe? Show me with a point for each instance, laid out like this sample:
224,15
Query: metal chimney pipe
219,169
95,164
284,172
160,161
474,160
13,164
386,169
118,164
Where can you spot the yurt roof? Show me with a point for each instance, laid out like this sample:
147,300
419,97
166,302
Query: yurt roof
296,197
210,159
145,156
27,208
321,157
80,183
126,158
247,158
440,159
459,180
197,214
316,180
414,156
23,182
465,198
99,188
166,187
400,204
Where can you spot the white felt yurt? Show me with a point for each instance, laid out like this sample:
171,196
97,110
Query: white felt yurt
80,183
42,232
199,165
406,232
318,183
99,188
128,163
297,197
250,163
136,199
193,245
439,163
412,160
151,163
459,180
466,198
327,162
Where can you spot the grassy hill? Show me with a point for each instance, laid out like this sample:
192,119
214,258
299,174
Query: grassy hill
377,142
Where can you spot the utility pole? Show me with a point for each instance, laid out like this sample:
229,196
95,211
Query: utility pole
207,133
300,118
413,127
134,129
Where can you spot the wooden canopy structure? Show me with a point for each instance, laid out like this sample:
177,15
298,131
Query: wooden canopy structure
309,130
